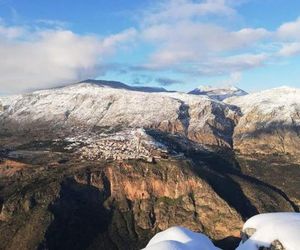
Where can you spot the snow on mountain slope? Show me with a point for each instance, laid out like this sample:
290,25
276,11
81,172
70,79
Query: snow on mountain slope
281,229
88,106
283,99
6,101
218,93
180,238
270,121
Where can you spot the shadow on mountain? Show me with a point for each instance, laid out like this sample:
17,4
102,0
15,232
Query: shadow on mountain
228,189
79,218
220,170
271,128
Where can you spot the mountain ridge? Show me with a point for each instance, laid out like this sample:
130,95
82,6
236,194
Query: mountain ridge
218,93
86,105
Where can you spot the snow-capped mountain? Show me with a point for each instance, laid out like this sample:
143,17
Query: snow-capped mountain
86,106
263,122
270,121
218,93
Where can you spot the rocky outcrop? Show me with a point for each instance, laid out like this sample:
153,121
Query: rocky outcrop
168,196
275,245
271,231
10,168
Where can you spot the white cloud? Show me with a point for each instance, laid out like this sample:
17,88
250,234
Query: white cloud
227,65
289,36
10,32
192,42
174,10
183,35
43,58
289,30
52,23
234,79
182,39
289,49
241,61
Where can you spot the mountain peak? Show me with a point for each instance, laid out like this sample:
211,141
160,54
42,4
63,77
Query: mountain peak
212,88
219,93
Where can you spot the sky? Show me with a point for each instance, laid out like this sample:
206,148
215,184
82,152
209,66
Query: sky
175,44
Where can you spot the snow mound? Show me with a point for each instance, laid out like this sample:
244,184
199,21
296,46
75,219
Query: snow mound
179,238
218,93
282,227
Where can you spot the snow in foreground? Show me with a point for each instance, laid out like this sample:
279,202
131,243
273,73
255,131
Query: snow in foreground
267,228
283,227
179,238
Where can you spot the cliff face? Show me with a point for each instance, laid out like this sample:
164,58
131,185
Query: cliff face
167,194
118,205
128,201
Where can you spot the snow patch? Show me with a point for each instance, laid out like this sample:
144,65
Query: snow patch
283,227
179,238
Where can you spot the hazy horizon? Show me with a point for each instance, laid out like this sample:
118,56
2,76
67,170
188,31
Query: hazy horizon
168,88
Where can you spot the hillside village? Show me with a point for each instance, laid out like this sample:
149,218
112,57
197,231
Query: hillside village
127,144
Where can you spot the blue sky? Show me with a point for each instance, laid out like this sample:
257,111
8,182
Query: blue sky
176,44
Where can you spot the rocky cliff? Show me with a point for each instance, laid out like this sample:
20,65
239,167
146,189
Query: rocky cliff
117,205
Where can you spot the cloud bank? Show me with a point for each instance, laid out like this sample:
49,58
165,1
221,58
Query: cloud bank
41,58
186,37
